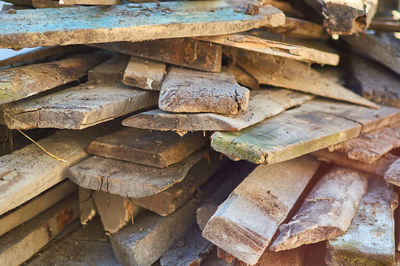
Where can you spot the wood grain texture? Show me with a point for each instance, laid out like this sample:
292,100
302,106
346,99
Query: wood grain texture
392,174
85,24
299,28
110,72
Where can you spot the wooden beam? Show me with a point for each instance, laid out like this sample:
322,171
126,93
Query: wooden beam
110,72
299,28
244,78
87,208
77,107
293,133
246,222
46,4
92,24
263,104
385,24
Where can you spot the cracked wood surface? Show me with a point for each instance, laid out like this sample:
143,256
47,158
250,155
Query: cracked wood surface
87,208
110,72
262,104
77,107
246,222
326,212
94,24
314,125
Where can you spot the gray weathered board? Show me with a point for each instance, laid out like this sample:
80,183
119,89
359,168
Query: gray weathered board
314,125
87,208
92,24
263,104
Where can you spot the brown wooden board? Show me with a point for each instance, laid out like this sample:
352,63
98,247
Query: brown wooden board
110,72
90,2
299,28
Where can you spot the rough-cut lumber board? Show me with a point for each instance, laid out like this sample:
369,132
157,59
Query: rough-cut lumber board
90,2
46,4
274,48
128,179
291,74
21,82
20,244
156,149
86,24
385,24
167,201
144,74
314,125
111,71
300,28
392,174
263,104
193,91
246,222
35,206
370,146
115,211
345,17
77,107
87,208
383,48
326,212
370,238
184,52
144,242
244,78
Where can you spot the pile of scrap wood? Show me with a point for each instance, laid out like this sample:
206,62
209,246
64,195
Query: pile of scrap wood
131,112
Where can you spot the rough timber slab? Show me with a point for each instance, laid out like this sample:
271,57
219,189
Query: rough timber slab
156,149
90,2
186,52
110,72
21,82
244,78
326,212
77,107
370,238
299,28
192,91
263,104
144,74
392,174
128,179
87,24
144,242
315,125
46,4
87,208
246,222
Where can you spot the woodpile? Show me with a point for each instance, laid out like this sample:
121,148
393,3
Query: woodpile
263,132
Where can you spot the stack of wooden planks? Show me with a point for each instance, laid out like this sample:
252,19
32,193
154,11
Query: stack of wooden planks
230,132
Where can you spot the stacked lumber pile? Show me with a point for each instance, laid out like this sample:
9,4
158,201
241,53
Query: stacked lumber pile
131,112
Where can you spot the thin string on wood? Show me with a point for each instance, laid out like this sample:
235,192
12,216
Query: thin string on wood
43,149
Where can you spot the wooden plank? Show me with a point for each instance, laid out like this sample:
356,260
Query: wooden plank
392,174
192,91
246,222
19,245
90,2
37,205
87,208
299,28
144,74
184,52
345,17
385,24
370,238
110,72
315,125
22,82
326,212
144,242
296,75
92,24
128,179
156,149
77,107
244,78
46,4
263,104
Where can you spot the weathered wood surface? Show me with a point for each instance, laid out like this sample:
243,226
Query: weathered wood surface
144,74
111,71
86,24
37,205
370,238
156,149
314,125
128,179
296,75
263,104
46,4
345,17
326,212
90,2
184,52
244,78
77,107
115,211
21,82
392,174
192,91
169,200
246,222
144,242
385,24
299,28
264,46
87,208
370,146
384,48
20,244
